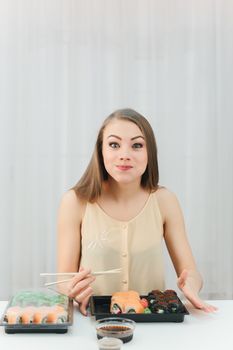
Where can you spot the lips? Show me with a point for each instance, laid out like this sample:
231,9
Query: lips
124,167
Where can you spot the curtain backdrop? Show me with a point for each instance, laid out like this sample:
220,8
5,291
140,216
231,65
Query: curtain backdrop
64,66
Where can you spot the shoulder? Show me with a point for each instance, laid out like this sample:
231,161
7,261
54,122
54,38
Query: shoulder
72,206
163,194
167,201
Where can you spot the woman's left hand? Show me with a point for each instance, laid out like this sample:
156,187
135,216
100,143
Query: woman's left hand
185,286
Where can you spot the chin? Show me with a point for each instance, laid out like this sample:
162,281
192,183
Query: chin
123,179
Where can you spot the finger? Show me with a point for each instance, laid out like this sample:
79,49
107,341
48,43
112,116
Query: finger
81,296
83,292
202,306
198,303
80,276
81,286
206,307
84,304
81,268
194,299
214,308
210,308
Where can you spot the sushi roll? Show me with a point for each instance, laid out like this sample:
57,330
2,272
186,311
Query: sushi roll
57,314
169,293
128,294
156,292
62,317
116,308
160,308
151,301
126,302
41,315
13,315
134,307
156,295
175,306
118,302
28,314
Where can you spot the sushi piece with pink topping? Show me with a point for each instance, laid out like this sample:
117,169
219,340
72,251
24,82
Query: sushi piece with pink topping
28,314
13,315
57,314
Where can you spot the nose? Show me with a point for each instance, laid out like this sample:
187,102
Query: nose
124,153
124,158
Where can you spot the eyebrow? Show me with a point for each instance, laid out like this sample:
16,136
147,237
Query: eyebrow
133,138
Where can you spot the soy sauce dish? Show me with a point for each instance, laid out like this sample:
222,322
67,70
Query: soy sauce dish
116,327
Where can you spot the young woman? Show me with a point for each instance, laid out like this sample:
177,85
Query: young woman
117,216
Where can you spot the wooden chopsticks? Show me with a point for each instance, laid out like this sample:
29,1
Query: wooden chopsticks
97,273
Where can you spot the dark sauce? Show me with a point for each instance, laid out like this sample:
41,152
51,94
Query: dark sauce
115,330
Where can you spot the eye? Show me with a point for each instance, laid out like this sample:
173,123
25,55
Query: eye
114,145
137,145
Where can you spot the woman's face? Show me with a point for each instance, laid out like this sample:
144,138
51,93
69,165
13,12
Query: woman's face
124,151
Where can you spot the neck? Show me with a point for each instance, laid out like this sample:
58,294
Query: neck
122,192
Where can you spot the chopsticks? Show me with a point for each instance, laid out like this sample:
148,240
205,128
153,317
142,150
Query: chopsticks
57,282
75,273
97,273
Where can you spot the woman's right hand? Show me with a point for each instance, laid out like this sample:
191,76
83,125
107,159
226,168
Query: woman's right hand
80,289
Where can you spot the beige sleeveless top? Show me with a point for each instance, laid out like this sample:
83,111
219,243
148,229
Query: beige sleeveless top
134,245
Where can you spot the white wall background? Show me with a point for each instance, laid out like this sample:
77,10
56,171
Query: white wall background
64,66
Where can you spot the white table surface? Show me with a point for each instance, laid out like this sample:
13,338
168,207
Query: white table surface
198,331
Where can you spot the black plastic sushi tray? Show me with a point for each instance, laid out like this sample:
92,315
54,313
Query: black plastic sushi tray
100,308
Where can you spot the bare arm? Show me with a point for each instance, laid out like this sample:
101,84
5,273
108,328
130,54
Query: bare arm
189,279
69,248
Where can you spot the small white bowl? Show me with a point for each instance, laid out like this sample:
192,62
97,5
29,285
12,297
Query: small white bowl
107,343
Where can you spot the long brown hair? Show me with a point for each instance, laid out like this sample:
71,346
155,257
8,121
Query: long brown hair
89,187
